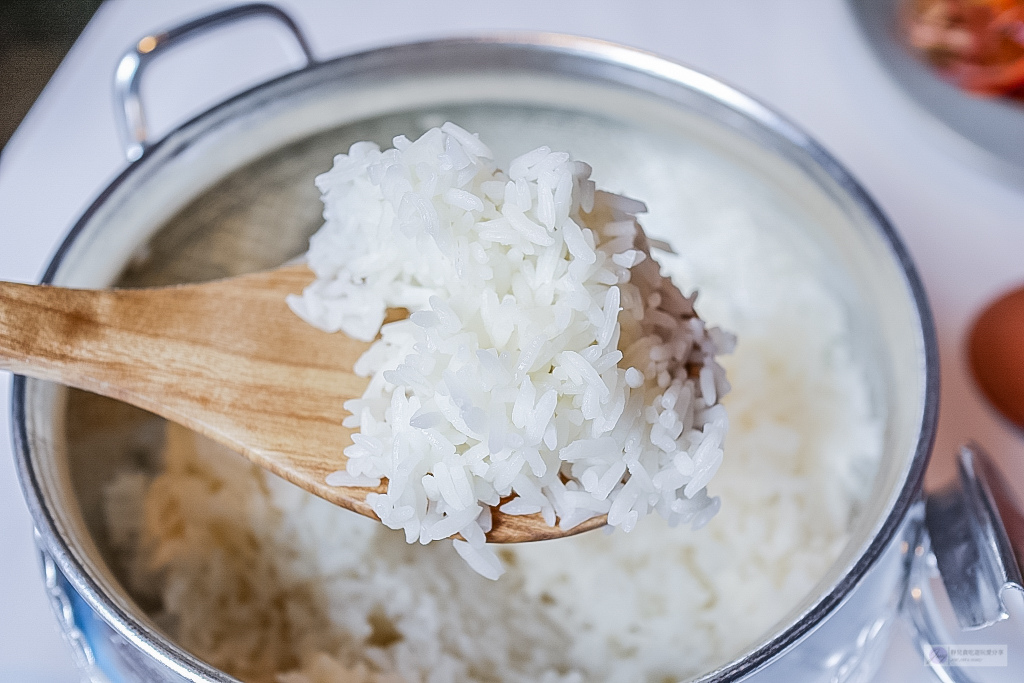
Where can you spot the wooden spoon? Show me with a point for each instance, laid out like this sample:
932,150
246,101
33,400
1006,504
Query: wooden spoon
228,359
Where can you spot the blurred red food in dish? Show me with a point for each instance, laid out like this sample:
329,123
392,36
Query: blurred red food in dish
976,44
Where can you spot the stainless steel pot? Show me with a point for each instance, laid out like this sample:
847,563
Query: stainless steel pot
231,191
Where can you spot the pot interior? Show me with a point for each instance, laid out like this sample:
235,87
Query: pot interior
233,192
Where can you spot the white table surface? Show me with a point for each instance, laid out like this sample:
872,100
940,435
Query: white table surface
959,211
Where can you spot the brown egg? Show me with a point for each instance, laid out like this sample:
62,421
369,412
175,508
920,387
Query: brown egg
996,353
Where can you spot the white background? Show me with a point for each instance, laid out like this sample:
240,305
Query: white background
960,212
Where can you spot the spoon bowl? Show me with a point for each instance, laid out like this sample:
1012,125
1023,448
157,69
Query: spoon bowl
227,359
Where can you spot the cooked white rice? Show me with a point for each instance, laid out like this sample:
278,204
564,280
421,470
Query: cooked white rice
272,584
546,358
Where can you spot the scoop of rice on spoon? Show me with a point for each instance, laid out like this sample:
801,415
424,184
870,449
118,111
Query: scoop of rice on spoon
547,366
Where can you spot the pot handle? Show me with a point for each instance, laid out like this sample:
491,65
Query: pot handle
131,119
971,524
972,536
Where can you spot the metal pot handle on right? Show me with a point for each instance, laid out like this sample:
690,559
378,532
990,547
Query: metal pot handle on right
973,533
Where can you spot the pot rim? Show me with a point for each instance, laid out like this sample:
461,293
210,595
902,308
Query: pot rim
599,51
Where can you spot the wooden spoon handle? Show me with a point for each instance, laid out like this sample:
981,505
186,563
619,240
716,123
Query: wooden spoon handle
226,358
155,347
40,327
82,338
